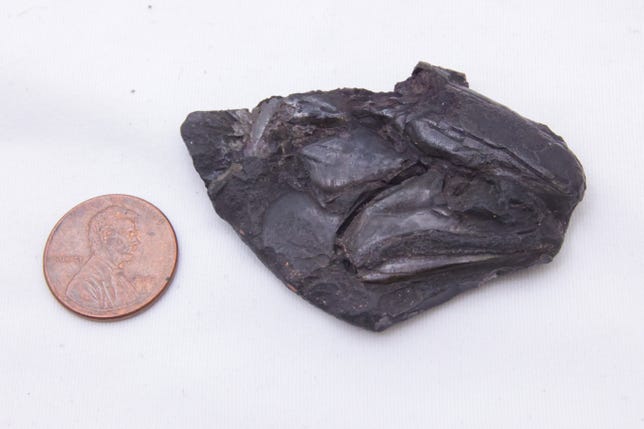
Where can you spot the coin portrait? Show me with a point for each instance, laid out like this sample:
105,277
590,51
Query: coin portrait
113,240
110,256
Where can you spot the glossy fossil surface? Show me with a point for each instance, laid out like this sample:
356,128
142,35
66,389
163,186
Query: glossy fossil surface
377,206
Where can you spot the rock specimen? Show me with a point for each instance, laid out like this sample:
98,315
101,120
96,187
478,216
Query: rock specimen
377,206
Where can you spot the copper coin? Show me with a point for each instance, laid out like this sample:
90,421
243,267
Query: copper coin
110,256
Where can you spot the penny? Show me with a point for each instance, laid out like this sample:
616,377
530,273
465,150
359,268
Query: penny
109,257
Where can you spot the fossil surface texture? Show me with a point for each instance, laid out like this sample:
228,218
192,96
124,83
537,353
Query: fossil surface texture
377,206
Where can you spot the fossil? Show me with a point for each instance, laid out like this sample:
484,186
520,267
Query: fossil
377,206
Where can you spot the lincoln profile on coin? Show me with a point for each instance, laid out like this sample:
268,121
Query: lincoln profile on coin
101,282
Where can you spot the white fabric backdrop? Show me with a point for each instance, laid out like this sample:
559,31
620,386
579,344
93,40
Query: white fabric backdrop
92,95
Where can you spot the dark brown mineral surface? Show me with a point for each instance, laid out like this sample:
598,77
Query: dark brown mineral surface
377,206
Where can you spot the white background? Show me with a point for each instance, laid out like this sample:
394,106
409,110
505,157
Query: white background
92,95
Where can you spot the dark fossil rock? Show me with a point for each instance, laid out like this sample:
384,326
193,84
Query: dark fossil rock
377,206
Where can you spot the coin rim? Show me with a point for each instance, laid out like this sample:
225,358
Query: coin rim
105,318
